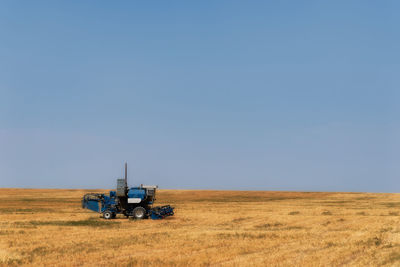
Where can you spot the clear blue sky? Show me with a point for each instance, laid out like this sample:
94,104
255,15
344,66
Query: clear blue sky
268,95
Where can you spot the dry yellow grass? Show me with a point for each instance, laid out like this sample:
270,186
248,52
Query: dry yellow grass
218,228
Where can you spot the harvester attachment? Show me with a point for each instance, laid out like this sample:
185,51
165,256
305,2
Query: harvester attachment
161,212
92,201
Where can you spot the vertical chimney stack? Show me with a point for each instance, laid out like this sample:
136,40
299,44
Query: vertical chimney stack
126,174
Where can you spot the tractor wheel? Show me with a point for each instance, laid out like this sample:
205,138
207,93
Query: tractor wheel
139,213
107,214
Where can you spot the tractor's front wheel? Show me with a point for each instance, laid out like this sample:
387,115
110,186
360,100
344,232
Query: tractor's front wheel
139,213
107,215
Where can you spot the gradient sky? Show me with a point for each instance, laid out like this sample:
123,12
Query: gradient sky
260,95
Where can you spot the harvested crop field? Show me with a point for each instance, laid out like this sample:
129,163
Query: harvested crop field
217,228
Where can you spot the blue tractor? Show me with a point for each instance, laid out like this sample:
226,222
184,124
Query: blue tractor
134,202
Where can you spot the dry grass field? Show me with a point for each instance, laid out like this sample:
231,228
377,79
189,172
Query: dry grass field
217,228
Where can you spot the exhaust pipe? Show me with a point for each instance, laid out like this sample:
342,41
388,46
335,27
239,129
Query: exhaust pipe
126,174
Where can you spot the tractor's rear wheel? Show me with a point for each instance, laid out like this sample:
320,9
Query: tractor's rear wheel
139,213
107,214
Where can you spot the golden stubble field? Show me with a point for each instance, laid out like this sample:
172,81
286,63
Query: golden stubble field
217,228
